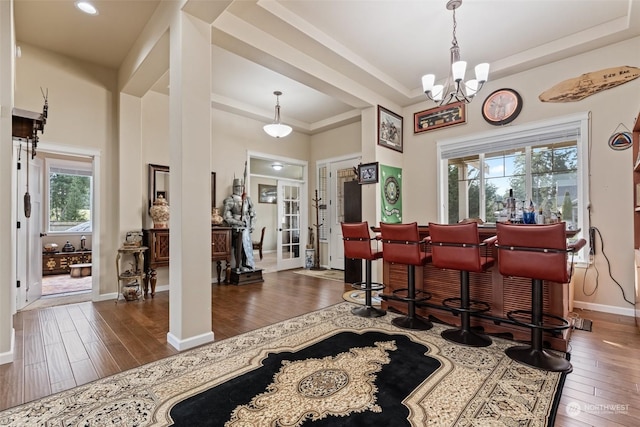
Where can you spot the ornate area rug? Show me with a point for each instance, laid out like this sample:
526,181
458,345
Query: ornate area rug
326,368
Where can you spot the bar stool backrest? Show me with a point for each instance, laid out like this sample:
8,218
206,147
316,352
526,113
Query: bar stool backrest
401,243
456,247
533,251
357,241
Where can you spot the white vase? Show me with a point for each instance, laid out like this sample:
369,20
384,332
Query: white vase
160,213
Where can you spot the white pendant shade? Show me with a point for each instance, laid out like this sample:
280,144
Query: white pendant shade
277,130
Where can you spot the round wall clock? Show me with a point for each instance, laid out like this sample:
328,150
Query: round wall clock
502,107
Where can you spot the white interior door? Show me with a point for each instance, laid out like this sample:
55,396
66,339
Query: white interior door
29,247
34,230
290,238
340,172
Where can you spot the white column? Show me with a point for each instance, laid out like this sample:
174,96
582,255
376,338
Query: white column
190,177
7,214
132,188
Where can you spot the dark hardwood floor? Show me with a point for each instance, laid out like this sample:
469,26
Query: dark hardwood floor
58,348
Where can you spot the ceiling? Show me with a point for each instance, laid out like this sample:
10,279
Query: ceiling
333,58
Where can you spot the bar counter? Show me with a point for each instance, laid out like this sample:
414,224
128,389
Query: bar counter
503,294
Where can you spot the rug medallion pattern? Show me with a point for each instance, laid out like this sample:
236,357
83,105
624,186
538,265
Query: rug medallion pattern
470,387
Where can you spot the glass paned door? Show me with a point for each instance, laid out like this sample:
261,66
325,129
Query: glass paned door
289,253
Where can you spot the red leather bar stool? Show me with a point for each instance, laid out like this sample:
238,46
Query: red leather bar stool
357,245
458,247
538,252
401,244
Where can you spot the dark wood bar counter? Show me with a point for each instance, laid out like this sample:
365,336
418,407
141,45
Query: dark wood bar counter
503,294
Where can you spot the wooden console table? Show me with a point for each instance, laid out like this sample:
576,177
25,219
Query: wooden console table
157,239
60,262
503,294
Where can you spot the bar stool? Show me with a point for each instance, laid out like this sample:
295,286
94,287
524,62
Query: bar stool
401,244
538,252
357,245
457,247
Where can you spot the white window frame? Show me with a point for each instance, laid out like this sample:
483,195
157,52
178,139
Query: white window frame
52,163
487,142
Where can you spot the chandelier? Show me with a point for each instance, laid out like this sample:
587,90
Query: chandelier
455,89
277,129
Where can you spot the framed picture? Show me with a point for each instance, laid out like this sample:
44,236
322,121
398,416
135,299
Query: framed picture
267,193
389,129
439,117
213,189
368,173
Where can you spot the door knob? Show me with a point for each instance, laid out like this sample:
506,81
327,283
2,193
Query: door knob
43,234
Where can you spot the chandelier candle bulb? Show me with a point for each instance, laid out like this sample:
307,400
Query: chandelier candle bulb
458,69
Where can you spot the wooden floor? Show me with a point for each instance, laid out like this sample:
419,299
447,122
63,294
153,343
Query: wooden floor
61,347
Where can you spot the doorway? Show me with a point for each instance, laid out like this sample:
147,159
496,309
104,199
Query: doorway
29,241
278,189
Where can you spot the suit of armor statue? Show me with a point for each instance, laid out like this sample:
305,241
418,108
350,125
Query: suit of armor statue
240,215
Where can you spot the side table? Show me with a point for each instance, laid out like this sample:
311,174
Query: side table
131,278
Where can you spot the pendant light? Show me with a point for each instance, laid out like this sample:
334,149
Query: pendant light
277,129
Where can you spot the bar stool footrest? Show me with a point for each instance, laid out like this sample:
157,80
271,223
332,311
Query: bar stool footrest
395,297
362,286
475,306
513,316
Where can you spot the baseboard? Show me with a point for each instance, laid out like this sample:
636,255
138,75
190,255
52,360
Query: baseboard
192,342
604,308
104,297
7,357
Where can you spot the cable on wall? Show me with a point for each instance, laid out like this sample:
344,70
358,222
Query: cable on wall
624,296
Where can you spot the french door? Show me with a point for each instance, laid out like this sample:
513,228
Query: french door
290,244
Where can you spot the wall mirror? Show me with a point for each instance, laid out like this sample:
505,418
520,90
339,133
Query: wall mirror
158,183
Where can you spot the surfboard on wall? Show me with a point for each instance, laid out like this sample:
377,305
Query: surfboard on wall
578,88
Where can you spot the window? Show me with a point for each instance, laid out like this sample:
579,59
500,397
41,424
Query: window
70,187
543,165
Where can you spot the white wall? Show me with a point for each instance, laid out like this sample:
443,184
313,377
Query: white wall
82,112
611,177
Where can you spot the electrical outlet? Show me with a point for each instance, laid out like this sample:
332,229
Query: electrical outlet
592,241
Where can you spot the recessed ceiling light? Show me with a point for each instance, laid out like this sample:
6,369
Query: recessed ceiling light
87,7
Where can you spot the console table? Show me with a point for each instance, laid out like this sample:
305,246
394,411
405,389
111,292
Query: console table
157,239
60,262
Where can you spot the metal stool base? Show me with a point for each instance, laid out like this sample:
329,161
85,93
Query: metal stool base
414,323
467,338
540,359
368,311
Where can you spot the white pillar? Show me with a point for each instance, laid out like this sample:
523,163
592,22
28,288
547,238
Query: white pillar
132,191
190,178
7,215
